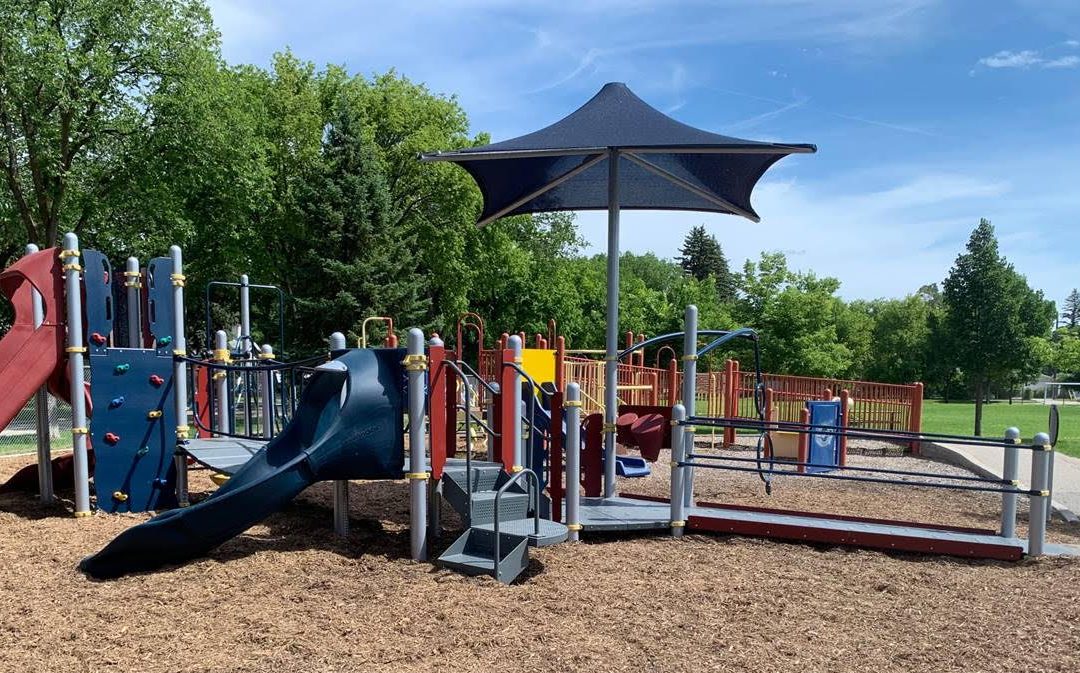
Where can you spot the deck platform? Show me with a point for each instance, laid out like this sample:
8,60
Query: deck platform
223,454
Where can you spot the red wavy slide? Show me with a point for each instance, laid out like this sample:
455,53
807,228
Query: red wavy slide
31,357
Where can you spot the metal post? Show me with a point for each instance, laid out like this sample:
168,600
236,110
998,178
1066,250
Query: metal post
416,366
179,374
679,437
266,397
572,407
133,283
1041,455
611,364
41,407
75,350
689,390
221,381
1009,468
514,344
245,316
341,486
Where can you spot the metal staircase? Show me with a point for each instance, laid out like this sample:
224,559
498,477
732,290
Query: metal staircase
502,520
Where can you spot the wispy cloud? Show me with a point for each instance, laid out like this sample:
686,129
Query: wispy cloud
1029,58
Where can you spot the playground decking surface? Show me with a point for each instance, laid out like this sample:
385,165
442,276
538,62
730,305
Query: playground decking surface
289,596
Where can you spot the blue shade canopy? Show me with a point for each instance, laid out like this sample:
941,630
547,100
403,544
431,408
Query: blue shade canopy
663,164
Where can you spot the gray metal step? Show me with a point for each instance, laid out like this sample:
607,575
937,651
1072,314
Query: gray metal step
473,554
484,475
512,506
551,532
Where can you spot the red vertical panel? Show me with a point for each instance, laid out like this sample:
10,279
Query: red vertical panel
592,458
450,383
436,409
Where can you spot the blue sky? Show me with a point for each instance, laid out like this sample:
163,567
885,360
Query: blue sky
927,114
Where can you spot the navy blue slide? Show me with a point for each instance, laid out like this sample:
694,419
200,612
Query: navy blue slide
348,425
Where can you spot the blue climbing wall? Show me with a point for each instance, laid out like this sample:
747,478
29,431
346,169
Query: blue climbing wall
133,427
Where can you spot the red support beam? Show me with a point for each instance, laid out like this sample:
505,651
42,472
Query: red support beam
507,381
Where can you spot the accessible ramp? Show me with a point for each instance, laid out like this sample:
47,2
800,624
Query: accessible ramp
348,425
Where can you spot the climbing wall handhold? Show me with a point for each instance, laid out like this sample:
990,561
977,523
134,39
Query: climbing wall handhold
116,402
120,496
164,341
122,368
111,438
155,413
156,381
97,338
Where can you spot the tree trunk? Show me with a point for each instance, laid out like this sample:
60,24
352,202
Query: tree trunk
980,393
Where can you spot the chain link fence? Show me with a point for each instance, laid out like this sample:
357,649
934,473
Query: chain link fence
20,436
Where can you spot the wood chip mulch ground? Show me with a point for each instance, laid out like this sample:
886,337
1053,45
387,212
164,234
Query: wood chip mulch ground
289,597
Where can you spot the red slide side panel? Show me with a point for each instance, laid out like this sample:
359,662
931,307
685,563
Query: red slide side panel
29,356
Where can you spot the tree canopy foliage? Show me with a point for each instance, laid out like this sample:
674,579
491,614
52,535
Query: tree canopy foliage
120,120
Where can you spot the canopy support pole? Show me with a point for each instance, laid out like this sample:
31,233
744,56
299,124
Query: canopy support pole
611,365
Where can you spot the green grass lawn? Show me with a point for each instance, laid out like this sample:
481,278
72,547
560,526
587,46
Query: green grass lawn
958,418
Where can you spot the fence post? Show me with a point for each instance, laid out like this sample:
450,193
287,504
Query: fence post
1010,463
915,418
416,366
1041,455
679,437
572,489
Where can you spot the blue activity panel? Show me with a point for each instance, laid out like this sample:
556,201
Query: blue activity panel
824,447
133,426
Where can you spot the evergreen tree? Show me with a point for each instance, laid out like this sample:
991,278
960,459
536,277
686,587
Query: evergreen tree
992,317
1071,314
701,257
355,262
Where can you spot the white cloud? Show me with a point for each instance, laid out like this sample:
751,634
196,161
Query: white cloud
1012,59
1029,58
1063,62
1072,43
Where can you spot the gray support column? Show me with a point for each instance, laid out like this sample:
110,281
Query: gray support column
341,486
1040,500
133,283
75,350
514,344
1009,469
689,390
572,407
416,366
222,394
245,316
679,438
41,408
180,391
611,363
266,398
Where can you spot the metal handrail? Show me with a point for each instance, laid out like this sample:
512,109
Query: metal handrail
464,367
534,500
468,433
